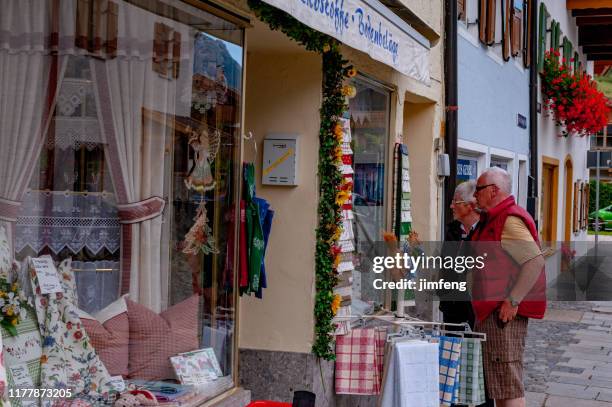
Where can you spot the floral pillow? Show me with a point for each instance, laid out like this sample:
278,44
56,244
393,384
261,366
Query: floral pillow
154,338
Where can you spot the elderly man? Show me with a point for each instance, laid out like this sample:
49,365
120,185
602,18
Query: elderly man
509,289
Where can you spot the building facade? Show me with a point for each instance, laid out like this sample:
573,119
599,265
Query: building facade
125,128
493,91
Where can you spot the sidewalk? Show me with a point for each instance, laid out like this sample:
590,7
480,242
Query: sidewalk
568,356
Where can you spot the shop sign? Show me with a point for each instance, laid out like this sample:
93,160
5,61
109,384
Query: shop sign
368,26
521,121
466,169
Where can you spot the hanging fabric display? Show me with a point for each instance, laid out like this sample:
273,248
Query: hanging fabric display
411,375
346,242
256,224
359,361
450,352
471,375
402,214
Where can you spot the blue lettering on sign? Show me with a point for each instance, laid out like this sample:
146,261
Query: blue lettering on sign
466,169
334,10
376,34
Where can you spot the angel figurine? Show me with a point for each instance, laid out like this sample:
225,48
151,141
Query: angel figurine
205,146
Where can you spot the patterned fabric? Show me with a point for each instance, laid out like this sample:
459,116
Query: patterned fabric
359,361
450,352
58,221
68,358
380,341
23,352
155,337
503,356
110,335
411,374
471,378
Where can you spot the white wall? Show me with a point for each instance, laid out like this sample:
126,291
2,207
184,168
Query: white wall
550,144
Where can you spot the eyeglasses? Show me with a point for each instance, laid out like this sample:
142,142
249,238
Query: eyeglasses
458,202
481,187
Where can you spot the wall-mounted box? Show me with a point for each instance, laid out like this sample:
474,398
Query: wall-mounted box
280,160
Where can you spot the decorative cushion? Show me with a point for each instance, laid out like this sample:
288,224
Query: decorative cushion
156,337
109,332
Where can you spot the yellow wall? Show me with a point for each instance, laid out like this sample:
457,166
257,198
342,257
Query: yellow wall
283,94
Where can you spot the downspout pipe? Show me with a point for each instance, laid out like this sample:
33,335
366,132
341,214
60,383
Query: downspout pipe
532,184
451,108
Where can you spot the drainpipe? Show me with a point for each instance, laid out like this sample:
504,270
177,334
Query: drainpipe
450,95
532,185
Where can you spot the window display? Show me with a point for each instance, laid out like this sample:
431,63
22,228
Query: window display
118,185
369,111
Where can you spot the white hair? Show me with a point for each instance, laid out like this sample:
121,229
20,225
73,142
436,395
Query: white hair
466,191
499,177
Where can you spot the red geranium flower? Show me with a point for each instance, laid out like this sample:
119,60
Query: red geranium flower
572,98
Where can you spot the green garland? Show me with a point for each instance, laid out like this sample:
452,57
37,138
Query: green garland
335,69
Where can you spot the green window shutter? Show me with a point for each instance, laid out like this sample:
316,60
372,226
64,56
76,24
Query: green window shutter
576,61
543,20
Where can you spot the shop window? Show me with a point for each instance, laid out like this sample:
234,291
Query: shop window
69,209
96,27
134,178
369,111
467,169
501,163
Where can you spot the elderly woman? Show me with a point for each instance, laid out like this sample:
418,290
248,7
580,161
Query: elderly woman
456,306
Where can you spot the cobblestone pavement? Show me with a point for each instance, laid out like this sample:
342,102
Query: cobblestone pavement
568,356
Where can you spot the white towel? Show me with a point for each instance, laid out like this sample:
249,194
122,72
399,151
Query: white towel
411,375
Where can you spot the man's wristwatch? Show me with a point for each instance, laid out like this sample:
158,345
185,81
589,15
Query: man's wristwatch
512,301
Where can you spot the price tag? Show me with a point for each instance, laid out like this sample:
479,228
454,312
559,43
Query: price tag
48,279
21,376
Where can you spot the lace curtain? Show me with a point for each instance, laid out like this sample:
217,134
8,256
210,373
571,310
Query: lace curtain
61,221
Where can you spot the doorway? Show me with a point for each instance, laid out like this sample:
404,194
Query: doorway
548,201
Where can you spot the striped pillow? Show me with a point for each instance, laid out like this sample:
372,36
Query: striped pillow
156,337
109,333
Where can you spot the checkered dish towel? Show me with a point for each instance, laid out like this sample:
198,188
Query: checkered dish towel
359,361
450,352
471,377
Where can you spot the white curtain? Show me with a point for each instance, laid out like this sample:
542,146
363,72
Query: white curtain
29,79
137,107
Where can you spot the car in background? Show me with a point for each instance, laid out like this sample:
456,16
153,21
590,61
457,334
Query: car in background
605,218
